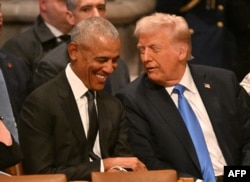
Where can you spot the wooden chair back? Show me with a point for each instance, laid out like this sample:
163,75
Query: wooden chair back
35,178
140,176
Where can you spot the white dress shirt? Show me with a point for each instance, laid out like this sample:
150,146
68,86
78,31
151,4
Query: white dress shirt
192,95
245,83
79,90
57,33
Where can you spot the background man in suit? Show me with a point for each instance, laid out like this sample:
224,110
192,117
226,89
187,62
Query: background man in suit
157,132
213,43
57,59
57,126
43,36
16,78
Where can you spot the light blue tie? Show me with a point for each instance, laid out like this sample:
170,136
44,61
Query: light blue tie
196,134
6,109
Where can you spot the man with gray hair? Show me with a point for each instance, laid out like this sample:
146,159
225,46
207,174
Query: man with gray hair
59,126
57,59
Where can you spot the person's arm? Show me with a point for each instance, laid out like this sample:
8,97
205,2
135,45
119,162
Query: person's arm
9,149
139,136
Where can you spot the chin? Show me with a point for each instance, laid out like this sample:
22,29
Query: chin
98,87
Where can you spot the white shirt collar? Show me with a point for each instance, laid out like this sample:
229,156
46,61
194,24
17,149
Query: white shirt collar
54,30
186,81
77,86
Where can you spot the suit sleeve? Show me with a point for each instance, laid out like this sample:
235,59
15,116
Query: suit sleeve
140,136
10,155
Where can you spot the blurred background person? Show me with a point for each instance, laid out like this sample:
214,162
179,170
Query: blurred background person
48,31
213,43
238,20
57,59
15,80
16,84
10,153
122,13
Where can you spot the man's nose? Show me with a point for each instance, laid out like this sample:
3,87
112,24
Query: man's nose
96,12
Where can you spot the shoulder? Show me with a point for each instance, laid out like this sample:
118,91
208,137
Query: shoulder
11,62
19,39
136,87
52,89
211,71
58,54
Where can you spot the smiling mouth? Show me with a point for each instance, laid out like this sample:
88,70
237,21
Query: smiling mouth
101,77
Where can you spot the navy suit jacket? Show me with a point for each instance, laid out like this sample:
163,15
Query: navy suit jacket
51,124
18,81
159,136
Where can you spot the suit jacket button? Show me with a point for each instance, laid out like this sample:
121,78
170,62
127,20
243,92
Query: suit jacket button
220,24
220,7
191,31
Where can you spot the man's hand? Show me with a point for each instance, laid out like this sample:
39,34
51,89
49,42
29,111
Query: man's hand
133,163
5,136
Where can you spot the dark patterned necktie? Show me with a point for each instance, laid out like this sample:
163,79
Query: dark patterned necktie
93,123
196,134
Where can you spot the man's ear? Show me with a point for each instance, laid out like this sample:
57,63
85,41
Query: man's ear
42,5
73,50
183,51
70,18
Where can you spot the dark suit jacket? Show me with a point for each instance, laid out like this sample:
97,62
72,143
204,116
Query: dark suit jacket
158,134
51,133
18,79
32,44
57,59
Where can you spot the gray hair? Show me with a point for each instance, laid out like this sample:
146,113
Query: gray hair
176,26
71,4
93,27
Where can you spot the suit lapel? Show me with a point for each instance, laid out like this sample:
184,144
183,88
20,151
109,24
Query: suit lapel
207,90
70,108
162,102
104,122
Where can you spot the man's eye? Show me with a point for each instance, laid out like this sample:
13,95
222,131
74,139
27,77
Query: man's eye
101,60
156,50
102,8
85,9
141,50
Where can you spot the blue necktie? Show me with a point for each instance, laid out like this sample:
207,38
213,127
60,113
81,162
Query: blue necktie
196,134
6,109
